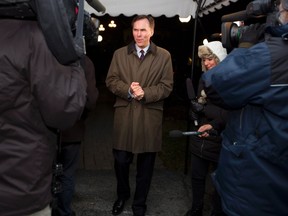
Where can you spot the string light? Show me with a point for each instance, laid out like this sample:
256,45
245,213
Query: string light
101,27
112,24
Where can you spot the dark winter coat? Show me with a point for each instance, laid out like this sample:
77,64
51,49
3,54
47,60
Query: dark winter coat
209,147
252,174
138,124
36,92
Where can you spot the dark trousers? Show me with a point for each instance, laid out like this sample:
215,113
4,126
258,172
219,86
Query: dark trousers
145,167
199,171
69,158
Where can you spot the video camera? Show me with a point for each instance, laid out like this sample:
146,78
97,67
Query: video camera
231,32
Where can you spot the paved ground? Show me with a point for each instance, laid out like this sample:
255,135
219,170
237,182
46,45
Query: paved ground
95,193
96,185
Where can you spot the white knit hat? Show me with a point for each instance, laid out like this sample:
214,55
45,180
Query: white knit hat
212,49
215,47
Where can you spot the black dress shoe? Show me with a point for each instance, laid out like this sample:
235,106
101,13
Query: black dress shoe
118,206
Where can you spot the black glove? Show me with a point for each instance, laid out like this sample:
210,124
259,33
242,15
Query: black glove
251,35
196,107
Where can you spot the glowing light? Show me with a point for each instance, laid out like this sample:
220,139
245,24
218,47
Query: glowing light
101,27
100,38
185,20
112,24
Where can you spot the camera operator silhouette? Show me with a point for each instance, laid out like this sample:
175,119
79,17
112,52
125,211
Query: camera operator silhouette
252,82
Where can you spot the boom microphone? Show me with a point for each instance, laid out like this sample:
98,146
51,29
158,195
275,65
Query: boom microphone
190,89
178,133
96,5
191,96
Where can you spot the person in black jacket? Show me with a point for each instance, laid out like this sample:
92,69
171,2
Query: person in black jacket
71,140
205,148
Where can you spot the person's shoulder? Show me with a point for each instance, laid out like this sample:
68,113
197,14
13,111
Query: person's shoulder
162,51
121,50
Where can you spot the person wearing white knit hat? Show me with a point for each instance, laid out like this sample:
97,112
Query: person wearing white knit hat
213,51
205,149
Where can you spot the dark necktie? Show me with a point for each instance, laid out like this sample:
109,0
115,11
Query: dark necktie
142,55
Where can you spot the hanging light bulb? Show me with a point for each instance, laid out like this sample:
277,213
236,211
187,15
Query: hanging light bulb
185,20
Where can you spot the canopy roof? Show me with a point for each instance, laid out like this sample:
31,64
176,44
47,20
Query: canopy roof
156,8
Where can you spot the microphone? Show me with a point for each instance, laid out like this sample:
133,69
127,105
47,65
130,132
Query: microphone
178,133
190,89
191,96
96,5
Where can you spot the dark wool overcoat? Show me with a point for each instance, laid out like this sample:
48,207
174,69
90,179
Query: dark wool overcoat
138,124
36,92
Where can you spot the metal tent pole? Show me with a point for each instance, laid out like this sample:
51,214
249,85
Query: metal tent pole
199,3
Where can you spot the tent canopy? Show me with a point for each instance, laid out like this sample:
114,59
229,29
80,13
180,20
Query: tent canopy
156,8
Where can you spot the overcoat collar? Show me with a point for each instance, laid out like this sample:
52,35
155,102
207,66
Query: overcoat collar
132,49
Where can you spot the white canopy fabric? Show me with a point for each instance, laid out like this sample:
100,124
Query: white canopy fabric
156,8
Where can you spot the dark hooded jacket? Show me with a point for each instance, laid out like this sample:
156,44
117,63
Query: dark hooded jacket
252,174
36,93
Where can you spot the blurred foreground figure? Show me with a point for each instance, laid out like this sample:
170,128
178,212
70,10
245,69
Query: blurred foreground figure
71,140
37,93
252,81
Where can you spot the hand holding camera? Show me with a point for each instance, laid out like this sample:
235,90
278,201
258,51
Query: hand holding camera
251,35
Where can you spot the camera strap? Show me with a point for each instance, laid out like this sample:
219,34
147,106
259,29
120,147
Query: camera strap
79,39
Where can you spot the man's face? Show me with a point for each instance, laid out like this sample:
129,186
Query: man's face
142,33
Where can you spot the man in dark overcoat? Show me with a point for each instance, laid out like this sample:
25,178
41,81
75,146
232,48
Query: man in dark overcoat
141,77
